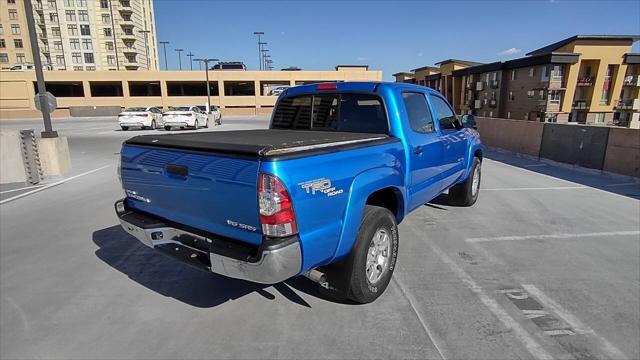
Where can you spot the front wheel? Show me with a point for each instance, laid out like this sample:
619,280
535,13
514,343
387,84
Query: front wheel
374,255
124,128
466,193
167,128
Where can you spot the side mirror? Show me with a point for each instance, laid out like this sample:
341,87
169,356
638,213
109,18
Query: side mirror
469,121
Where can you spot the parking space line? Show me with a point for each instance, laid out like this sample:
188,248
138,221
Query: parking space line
430,334
52,185
578,326
551,236
24,188
537,188
534,348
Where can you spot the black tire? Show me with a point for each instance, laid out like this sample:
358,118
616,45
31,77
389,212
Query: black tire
124,128
361,289
464,194
167,128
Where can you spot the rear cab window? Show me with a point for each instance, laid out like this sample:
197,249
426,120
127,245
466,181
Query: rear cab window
344,112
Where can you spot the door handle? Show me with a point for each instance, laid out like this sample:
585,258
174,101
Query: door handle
418,150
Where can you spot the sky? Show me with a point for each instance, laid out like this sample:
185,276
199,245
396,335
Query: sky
391,36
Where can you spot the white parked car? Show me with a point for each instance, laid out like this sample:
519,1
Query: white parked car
184,116
141,117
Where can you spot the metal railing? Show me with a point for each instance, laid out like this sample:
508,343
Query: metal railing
580,105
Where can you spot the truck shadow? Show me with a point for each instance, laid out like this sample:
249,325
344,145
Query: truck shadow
171,278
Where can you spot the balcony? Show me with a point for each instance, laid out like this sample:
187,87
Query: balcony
585,81
632,80
627,104
479,86
493,103
495,84
580,105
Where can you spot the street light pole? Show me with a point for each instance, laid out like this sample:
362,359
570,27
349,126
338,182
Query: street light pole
191,55
146,45
259,48
206,71
37,62
179,57
164,45
264,57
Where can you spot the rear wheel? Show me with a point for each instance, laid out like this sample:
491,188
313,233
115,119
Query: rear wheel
124,128
167,128
466,193
374,255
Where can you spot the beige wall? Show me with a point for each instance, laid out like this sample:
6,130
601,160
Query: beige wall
522,137
623,152
17,90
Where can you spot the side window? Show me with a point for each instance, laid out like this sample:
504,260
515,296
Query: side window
446,118
418,112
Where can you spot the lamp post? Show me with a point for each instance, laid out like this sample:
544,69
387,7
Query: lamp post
259,33
37,63
206,71
263,51
267,61
146,45
191,55
179,57
164,45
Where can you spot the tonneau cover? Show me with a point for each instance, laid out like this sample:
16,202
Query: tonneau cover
264,142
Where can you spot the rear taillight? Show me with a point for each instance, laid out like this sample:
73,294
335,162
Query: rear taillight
327,86
276,209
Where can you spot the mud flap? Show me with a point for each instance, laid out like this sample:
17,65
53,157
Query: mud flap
338,278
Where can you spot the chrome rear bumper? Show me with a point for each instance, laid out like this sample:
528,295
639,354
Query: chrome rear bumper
271,263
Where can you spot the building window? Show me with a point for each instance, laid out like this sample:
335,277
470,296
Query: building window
85,30
104,4
531,93
88,58
11,1
55,31
76,58
107,32
15,29
83,15
90,68
109,45
57,45
3,44
599,118
72,30
513,74
53,17
13,14
557,71
606,86
70,15
20,58
540,94
532,72
77,68
82,3
508,114
131,58
125,3
545,73
126,17
554,96
128,31
51,4
68,3
86,44
106,18
60,59
128,44
111,60
4,58
75,44
511,97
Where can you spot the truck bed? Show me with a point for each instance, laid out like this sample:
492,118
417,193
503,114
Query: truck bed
265,143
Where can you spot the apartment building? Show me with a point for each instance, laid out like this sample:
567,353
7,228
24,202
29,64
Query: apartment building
81,35
582,79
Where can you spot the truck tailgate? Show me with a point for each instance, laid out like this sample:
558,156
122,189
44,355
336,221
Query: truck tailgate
211,193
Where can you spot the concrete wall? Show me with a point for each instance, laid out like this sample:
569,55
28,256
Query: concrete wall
519,136
11,164
623,152
81,111
615,150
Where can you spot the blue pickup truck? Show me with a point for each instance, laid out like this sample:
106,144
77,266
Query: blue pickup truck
320,193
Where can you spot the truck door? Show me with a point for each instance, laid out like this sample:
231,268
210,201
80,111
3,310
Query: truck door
424,150
454,139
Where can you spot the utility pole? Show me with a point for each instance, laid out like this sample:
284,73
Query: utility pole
37,62
179,57
259,33
206,71
264,57
146,45
164,45
191,55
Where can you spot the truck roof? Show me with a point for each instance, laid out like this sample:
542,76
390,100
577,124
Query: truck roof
358,86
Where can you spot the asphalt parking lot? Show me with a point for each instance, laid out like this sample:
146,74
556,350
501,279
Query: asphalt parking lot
545,265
